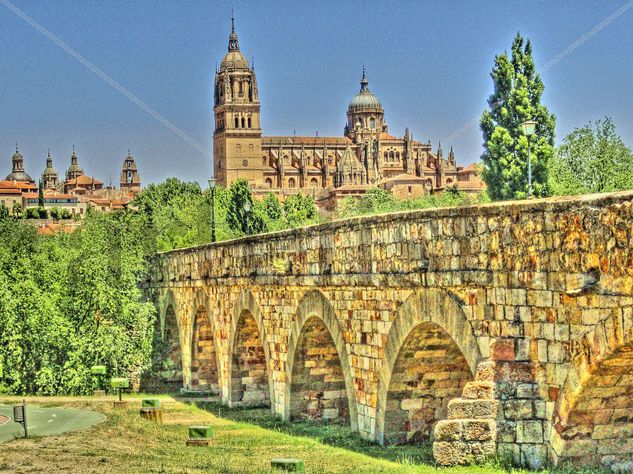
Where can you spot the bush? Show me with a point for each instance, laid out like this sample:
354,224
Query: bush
32,213
42,213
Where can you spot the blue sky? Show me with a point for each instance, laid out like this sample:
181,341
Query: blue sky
428,62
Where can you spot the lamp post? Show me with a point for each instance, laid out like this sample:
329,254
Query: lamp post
529,127
212,188
247,210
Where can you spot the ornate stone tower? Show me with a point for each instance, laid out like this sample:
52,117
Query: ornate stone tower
50,178
237,140
74,170
130,181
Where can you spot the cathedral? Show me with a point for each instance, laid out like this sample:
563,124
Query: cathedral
327,168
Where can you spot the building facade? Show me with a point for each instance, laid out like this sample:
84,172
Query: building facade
328,168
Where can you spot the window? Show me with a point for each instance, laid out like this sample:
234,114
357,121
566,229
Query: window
241,89
398,156
386,156
314,183
391,156
410,190
243,123
249,122
237,122
372,122
292,183
269,183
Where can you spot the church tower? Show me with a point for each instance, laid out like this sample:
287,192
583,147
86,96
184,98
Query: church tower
130,181
50,178
237,139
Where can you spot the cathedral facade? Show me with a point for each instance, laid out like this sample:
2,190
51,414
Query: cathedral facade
327,168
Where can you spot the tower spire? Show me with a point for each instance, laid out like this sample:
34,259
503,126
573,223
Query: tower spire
233,42
363,81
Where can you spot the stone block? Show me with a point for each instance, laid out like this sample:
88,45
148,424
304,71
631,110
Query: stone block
479,390
448,430
479,430
518,409
461,408
529,431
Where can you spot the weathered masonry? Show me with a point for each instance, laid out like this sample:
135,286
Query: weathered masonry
497,329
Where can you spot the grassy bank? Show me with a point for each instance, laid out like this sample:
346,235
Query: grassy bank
244,441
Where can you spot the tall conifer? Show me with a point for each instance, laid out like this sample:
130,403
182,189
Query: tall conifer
516,99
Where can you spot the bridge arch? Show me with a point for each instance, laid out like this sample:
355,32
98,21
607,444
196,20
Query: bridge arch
316,338
172,375
593,416
248,363
430,354
203,348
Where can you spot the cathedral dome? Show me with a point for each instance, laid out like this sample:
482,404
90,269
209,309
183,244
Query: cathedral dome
364,99
18,173
234,60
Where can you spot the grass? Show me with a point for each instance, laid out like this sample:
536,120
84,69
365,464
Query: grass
244,441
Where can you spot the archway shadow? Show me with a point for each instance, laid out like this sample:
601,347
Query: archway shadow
333,434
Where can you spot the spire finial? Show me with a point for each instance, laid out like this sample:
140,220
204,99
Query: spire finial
233,42
49,152
16,147
363,81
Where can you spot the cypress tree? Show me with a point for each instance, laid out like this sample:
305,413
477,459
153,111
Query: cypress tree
516,99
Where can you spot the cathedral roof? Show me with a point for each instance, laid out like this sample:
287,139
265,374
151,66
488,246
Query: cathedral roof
365,99
234,59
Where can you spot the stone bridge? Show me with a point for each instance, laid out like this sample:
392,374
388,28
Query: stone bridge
496,329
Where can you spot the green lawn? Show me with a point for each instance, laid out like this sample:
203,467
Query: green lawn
244,441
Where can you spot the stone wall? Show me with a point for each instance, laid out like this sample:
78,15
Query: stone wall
532,303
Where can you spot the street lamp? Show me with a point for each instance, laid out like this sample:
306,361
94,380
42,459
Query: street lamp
247,210
529,127
212,188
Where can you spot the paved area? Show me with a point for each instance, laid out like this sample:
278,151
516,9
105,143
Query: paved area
47,421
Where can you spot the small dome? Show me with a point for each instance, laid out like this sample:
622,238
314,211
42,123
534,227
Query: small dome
49,170
19,176
234,60
364,99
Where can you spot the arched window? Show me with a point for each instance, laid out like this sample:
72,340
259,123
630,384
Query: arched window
237,122
398,156
243,123
372,122
249,122
292,183
391,157
386,156
269,183
314,183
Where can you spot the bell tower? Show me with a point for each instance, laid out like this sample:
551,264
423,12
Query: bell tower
237,139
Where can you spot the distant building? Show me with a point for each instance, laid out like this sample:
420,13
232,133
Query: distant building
328,168
130,181
76,193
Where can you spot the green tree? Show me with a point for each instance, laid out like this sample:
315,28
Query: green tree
516,99
272,207
17,210
40,195
242,217
300,210
592,159
4,212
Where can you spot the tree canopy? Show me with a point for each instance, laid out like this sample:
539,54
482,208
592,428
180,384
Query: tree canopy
592,159
516,98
